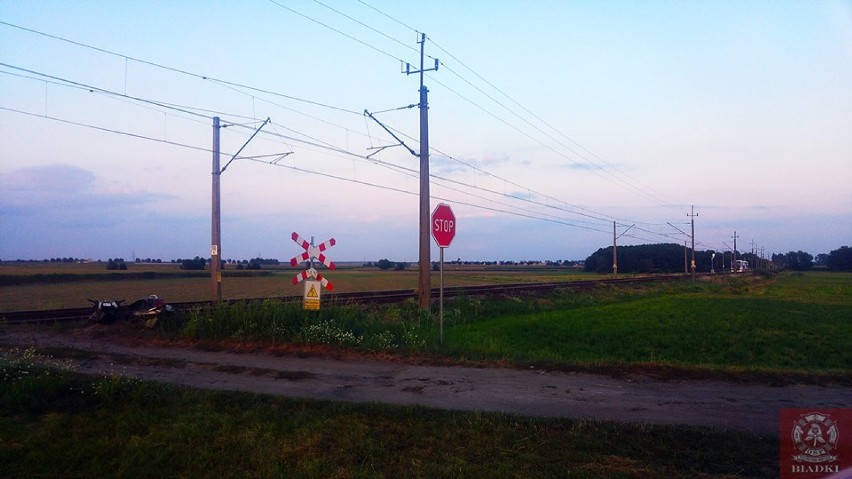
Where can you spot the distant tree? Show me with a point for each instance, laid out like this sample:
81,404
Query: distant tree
840,259
196,263
384,264
399,266
647,258
116,264
799,261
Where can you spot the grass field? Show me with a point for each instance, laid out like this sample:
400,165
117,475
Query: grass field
57,425
781,328
789,327
72,293
799,324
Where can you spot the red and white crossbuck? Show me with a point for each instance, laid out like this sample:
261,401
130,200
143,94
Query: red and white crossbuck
312,252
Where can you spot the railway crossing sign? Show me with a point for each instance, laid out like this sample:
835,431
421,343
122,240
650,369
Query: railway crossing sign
311,251
443,225
314,286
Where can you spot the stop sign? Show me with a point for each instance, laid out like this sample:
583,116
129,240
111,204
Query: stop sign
443,225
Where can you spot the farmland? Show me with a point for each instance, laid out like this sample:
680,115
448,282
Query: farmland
30,286
789,328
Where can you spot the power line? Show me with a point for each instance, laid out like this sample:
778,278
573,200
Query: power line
405,45
104,129
320,143
181,71
551,219
307,17
537,117
315,142
234,85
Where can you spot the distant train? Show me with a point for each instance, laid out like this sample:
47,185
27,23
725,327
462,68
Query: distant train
740,266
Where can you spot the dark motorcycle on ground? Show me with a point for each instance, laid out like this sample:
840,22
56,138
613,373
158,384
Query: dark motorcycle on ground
147,310
105,310
150,310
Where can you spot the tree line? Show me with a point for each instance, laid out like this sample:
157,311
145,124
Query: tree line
670,258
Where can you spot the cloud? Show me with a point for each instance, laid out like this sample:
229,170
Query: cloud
581,166
65,210
66,195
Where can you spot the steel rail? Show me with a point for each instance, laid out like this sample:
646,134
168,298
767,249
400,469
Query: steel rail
355,297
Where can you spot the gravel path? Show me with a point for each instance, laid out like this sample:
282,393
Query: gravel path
747,407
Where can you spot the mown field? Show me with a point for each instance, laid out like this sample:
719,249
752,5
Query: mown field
784,328
32,286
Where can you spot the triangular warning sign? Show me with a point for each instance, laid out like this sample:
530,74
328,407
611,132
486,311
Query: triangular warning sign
313,292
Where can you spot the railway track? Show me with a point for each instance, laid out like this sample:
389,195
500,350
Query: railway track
363,297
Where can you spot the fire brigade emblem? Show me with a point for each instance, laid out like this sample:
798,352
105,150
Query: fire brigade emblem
815,438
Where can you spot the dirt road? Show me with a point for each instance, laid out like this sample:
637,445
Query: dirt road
748,407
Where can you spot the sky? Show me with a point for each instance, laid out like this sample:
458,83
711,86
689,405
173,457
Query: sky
551,123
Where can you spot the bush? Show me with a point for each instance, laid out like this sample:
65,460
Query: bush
840,259
196,263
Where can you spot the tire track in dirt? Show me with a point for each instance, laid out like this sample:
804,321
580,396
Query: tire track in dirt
747,407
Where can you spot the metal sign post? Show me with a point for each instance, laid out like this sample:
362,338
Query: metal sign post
441,309
443,231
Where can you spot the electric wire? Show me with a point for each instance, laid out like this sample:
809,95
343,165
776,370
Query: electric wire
544,122
525,109
105,129
315,142
551,219
234,85
403,44
307,17
181,71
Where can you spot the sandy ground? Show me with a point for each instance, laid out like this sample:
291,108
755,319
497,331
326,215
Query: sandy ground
530,392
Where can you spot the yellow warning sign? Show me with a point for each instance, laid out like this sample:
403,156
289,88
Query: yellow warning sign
312,295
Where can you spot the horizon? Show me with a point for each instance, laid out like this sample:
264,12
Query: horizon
551,125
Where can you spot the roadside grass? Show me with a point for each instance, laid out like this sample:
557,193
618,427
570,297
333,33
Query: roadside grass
682,329
121,427
401,328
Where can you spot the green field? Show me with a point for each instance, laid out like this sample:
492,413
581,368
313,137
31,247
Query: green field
57,425
799,324
33,286
793,328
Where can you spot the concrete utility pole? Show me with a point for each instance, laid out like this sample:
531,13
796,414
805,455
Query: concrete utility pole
735,250
614,241
614,255
216,233
424,288
216,215
692,221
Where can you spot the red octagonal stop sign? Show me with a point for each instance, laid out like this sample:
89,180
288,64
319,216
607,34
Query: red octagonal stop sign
443,225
